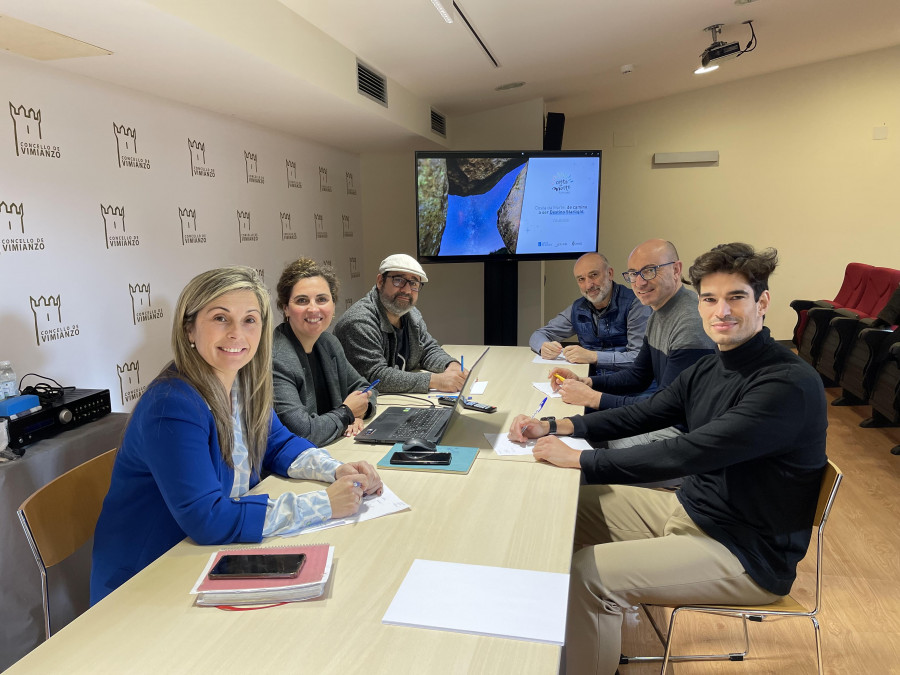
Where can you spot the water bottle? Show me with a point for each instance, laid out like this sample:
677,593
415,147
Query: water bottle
8,382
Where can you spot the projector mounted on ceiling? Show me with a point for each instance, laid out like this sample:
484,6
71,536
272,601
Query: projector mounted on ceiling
720,51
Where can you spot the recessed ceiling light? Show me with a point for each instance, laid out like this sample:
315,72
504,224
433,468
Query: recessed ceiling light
509,85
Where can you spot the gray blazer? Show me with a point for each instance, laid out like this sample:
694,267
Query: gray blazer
295,397
370,343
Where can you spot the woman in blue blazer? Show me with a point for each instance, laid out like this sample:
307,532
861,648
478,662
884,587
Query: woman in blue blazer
202,434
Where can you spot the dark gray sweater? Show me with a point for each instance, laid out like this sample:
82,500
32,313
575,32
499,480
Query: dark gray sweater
295,393
370,344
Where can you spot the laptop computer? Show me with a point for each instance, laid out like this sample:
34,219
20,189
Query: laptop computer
398,424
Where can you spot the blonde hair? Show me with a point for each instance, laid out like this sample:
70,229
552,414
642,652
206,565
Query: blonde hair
255,378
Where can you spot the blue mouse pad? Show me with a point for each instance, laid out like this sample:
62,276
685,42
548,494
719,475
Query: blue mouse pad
461,460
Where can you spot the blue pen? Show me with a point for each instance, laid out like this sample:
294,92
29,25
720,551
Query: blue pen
462,366
370,386
536,413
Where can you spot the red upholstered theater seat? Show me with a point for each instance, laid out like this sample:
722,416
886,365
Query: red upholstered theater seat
850,292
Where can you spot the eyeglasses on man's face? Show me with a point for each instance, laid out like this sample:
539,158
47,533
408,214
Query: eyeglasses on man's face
647,272
400,282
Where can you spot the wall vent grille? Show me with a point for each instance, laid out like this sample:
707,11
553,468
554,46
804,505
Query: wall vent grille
371,84
438,123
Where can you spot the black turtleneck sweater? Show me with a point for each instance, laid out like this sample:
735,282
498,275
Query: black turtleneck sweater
753,453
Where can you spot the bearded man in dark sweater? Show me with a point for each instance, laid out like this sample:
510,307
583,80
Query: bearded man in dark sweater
753,456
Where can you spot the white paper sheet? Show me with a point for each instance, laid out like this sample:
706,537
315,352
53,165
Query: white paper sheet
553,362
477,388
494,601
371,507
503,446
546,389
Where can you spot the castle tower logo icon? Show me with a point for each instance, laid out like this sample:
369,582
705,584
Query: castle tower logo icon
245,233
251,165
48,323
345,223
189,233
141,308
323,180
114,226
351,188
130,386
126,148
11,215
292,180
319,220
354,268
198,160
12,227
287,232
28,135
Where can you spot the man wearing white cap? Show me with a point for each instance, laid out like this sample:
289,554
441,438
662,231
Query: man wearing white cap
385,337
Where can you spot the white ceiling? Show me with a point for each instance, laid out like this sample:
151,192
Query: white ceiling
290,64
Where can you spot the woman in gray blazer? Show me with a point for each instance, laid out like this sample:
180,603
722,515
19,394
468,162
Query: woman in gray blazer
318,394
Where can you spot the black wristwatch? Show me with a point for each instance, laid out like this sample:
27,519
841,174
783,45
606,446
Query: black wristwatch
552,421
347,416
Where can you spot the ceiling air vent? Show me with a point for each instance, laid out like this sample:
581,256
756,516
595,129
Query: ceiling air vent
371,84
438,123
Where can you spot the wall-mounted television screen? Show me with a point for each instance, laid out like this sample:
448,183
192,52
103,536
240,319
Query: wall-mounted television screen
527,205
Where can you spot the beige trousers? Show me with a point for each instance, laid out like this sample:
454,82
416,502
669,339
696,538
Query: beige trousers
641,547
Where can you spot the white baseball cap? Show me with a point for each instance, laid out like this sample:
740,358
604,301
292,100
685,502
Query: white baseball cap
400,262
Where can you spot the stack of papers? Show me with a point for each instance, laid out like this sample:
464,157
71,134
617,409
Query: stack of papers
262,591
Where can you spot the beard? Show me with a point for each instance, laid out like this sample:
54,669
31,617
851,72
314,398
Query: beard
601,294
394,307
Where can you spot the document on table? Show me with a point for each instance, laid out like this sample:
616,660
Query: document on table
553,362
503,446
492,601
546,389
371,507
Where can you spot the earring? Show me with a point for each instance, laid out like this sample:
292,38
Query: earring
192,345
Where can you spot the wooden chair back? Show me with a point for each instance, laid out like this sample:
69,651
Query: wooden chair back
62,515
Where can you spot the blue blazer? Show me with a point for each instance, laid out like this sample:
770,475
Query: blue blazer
170,482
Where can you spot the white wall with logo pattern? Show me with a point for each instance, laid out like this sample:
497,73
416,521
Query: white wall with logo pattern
111,200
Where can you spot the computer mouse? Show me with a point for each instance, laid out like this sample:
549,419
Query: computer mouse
419,444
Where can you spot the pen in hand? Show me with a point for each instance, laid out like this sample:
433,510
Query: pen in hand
371,386
536,413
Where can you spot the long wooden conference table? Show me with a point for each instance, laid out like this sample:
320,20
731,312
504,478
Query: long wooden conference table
508,511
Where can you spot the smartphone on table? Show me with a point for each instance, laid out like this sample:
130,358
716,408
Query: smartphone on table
273,566
415,458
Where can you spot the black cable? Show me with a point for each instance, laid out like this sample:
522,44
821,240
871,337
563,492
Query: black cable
45,393
412,396
751,43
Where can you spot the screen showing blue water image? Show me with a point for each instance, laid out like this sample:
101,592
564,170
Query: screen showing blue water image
471,226
524,205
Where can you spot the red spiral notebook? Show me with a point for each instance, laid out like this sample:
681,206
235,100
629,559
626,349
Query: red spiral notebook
310,583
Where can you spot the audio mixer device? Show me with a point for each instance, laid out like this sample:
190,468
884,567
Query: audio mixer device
74,408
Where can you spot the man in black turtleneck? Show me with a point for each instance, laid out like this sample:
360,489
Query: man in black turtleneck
752,456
